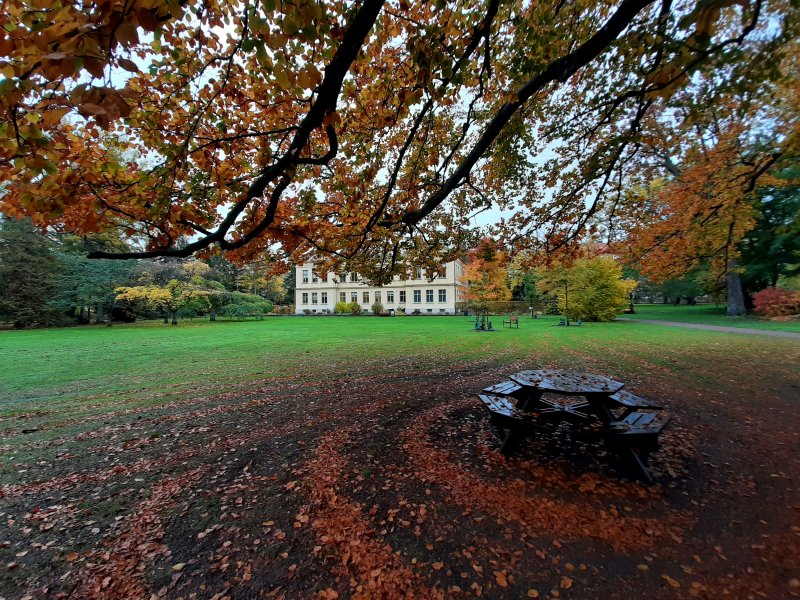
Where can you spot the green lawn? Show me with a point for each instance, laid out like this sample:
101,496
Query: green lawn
708,314
154,363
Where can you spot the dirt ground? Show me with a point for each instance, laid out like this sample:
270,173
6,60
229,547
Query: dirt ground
387,484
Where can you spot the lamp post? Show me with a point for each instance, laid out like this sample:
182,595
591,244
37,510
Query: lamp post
530,308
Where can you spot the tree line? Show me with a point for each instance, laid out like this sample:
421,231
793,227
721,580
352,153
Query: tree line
47,280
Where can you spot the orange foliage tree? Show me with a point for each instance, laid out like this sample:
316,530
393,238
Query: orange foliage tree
369,132
486,275
695,196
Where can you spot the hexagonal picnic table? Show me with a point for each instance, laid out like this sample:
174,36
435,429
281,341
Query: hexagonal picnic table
519,408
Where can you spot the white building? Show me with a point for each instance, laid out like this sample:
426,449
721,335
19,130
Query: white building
317,293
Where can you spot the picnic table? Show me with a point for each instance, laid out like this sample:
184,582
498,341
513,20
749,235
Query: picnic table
532,402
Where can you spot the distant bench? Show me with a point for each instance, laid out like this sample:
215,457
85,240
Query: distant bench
512,322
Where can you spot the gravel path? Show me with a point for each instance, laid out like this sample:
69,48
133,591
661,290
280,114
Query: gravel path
724,329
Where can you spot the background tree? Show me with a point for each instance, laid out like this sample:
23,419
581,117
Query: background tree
591,289
365,132
771,250
485,276
84,284
289,284
28,274
169,298
705,167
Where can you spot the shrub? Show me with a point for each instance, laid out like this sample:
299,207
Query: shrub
239,305
355,308
341,308
195,307
776,302
591,289
377,308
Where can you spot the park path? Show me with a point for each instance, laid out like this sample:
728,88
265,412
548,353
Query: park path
724,329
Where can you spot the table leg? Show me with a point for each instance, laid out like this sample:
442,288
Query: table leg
529,401
599,405
513,438
635,463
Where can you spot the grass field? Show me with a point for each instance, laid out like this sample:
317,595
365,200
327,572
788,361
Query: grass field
349,457
709,315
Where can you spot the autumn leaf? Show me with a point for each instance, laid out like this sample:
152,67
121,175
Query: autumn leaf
128,65
672,582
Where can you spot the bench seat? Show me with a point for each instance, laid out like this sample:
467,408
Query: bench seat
639,423
632,401
504,388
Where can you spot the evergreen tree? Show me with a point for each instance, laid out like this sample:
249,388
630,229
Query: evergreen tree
28,274
772,248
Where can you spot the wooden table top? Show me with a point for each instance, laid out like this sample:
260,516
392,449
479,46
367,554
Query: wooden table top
567,382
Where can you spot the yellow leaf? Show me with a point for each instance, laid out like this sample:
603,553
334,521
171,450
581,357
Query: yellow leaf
672,582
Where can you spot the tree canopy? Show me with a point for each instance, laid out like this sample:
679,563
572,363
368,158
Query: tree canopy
370,132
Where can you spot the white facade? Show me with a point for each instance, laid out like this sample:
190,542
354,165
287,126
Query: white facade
319,293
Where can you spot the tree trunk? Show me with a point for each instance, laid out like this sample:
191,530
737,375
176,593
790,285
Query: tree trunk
98,314
166,317
736,305
212,316
110,316
174,317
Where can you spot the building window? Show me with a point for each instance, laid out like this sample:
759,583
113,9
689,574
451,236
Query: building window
314,298
314,278
353,277
377,296
365,297
342,296
390,297
441,310
353,296
442,295
430,310
419,273
417,296
402,297
305,275
429,296
324,297
305,297
442,273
